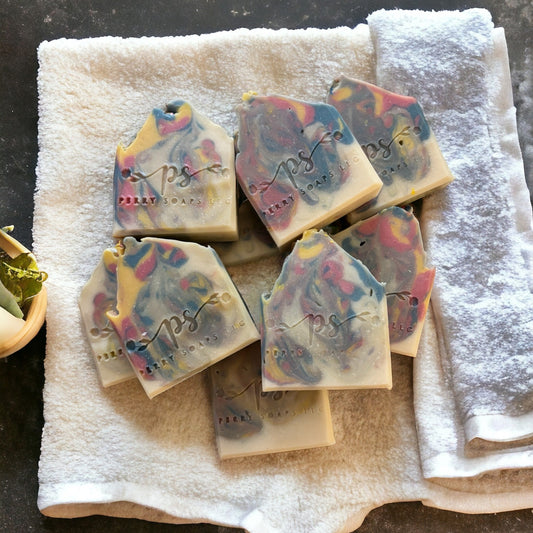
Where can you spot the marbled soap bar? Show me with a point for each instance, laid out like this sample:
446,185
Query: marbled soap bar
390,245
299,164
178,311
325,322
99,296
254,241
397,140
249,421
177,178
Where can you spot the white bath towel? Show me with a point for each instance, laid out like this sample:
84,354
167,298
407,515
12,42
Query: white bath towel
117,453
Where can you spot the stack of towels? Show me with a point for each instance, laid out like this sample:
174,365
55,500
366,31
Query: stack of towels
456,434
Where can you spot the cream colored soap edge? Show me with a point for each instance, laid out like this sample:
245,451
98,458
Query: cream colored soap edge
362,170
269,386
299,428
204,235
427,186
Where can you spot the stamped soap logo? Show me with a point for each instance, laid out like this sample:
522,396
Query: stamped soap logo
172,327
291,167
170,330
170,182
240,405
391,127
385,153
296,157
327,326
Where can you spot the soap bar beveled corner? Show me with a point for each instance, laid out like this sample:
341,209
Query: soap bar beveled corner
177,178
98,297
299,164
390,245
249,421
397,140
324,325
178,311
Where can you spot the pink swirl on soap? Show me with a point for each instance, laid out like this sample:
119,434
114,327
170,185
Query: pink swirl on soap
390,245
288,153
315,293
174,166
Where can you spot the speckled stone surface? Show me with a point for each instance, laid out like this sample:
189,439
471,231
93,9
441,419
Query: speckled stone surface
24,25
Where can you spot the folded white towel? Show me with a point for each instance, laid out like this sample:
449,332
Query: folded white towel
117,453
478,231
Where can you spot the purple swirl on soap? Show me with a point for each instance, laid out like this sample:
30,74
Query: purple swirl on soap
179,164
240,406
168,310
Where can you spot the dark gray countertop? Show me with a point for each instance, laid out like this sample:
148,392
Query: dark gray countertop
23,25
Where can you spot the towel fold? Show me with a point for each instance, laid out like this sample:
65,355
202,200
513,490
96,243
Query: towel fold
113,451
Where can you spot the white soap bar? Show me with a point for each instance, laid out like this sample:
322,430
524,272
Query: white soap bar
177,178
325,322
397,140
178,311
249,421
299,164
390,245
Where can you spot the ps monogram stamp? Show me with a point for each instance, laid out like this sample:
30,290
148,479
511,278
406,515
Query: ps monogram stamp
251,421
396,139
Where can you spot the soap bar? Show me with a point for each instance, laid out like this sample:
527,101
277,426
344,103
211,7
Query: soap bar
249,421
397,140
299,165
254,241
178,311
99,296
325,322
177,178
390,245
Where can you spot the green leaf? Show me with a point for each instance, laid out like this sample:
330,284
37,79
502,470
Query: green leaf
21,276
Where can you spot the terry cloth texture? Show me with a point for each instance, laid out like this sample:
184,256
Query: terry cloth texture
477,232
115,452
